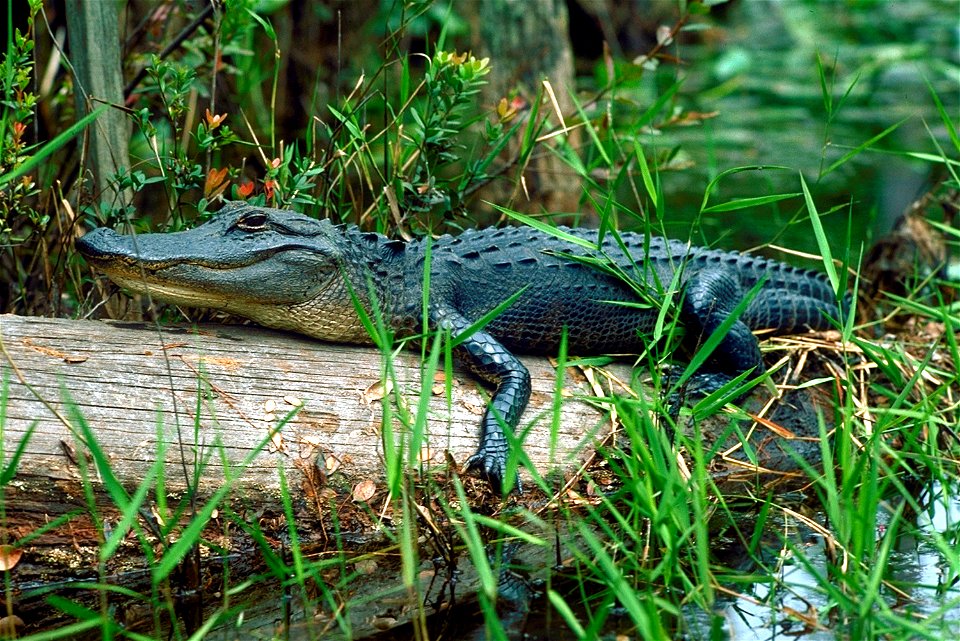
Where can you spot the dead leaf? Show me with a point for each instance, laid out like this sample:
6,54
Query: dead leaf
9,557
384,623
9,626
376,392
691,118
365,566
332,463
277,441
777,429
474,404
364,490
664,35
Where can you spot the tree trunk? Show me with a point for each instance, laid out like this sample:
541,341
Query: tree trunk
528,43
94,40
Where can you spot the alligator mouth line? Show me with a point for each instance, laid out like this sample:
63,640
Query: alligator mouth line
127,262
136,261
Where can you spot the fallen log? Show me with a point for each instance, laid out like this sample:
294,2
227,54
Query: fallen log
232,405
125,379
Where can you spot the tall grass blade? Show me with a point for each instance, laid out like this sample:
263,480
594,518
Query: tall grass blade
948,121
747,203
733,170
861,147
822,243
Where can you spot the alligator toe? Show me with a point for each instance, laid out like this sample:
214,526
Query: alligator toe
491,466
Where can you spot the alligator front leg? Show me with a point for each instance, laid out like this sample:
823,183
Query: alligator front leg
493,362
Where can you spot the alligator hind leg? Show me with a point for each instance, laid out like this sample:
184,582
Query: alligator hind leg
709,299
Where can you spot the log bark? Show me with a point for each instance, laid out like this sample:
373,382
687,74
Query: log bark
136,386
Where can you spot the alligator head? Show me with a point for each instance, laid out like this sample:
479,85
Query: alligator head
279,268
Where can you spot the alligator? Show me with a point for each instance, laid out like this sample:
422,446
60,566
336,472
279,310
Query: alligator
288,271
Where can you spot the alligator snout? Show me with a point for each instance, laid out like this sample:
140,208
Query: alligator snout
99,243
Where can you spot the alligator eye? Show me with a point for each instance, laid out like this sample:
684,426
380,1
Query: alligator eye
252,222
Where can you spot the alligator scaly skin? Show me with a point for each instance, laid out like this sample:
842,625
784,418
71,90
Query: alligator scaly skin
286,270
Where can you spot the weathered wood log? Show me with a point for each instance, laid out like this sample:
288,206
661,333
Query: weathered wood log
125,379
211,398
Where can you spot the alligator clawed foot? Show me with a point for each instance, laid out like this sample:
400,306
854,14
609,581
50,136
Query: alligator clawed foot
492,468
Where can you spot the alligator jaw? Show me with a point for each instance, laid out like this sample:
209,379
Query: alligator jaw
145,281
115,253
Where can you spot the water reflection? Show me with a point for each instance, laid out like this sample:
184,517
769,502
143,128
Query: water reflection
924,564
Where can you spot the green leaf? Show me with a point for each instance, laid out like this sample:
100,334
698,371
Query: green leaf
347,122
131,511
566,613
746,203
919,155
945,117
509,530
865,145
10,470
73,608
733,170
267,27
486,318
709,345
648,182
647,116
824,88
118,494
591,130
821,236
544,227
